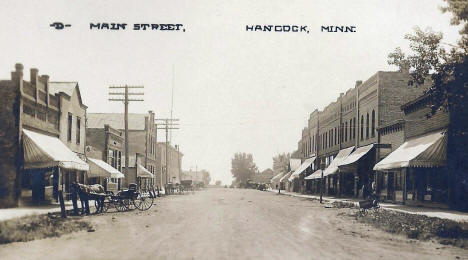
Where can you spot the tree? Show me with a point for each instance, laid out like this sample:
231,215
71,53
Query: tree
447,70
218,183
281,162
243,167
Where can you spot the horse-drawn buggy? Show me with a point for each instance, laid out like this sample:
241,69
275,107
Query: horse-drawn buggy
186,185
124,200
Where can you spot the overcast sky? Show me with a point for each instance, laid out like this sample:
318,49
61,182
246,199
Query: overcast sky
234,91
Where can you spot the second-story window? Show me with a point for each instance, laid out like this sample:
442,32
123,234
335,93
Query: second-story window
367,126
78,129
373,123
362,127
346,131
354,128
69,127
336,139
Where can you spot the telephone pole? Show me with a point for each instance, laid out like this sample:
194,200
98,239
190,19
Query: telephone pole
167,124
122,94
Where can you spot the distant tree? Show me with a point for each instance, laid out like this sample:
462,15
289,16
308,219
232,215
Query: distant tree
218,183
447,69
243,167
281,162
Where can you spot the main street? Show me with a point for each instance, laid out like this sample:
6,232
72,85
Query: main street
219,223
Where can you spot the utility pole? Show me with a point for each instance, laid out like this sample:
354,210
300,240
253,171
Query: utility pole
167,124
125,96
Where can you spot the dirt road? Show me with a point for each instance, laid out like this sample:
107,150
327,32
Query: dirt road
230,224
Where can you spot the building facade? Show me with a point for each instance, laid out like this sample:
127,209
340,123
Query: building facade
348,126
34,162
142,139
106,144
172,172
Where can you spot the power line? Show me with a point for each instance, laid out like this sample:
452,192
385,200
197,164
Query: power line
125,98
168,124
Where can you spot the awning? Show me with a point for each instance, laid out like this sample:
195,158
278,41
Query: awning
285,177
425,151
294,164
354,157
302,168
142,172
333,167
277,177
42,151
316,175
99,168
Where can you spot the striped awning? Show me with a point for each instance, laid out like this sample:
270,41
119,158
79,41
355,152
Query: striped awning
426,151
340,157
43,151
285,177
277,177
302,168
142,172
99,168
316,175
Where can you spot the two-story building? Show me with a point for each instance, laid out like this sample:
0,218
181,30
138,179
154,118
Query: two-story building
142,136
34,162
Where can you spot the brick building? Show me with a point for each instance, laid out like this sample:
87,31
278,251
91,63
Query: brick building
106,144
34,162
172,173
142,136
348,127
415,170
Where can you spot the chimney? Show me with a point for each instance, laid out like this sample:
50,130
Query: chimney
358,83
33,75
17,75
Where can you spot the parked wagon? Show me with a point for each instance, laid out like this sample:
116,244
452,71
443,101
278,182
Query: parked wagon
124,200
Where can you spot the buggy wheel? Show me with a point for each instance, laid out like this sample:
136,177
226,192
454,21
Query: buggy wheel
143,202
120,205
129,204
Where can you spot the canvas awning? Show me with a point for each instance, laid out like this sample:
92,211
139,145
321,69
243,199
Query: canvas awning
316,175
333,167
277,177
354,157
302,168
99,168
285,177
42,151
142,172
425,151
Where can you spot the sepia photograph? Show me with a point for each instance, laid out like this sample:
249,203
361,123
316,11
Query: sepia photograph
304,129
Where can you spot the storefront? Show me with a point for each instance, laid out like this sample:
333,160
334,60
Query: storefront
415,172
102,173
49,166
145,178
356,174
275,181
330,174
313,182
297,177
284,182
